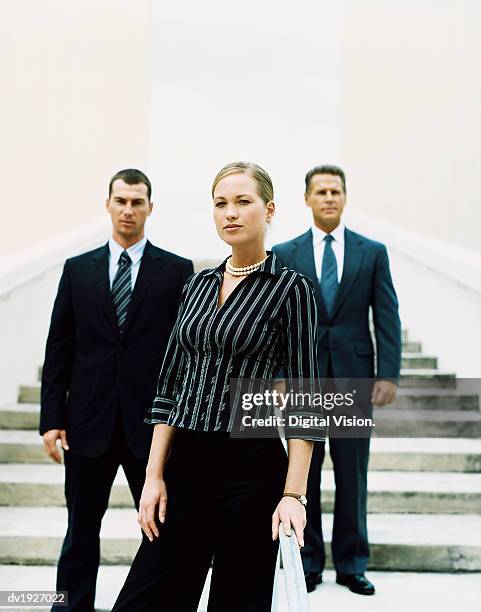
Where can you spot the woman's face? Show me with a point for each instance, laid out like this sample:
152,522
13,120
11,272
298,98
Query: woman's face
240,214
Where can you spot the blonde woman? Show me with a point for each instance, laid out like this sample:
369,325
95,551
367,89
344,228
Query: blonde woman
209,497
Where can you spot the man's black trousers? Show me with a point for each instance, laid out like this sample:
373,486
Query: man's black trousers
349,546
88,482
350,459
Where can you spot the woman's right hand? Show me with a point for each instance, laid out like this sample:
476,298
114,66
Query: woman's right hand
153,499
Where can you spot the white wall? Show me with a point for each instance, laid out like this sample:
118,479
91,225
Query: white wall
75,95
256,81
440,312
28,285
411,95
24,317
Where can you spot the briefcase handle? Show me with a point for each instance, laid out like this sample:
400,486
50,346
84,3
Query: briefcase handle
293,572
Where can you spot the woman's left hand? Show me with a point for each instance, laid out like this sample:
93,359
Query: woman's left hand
292,514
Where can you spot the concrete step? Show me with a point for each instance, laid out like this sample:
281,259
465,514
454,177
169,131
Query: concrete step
425,455
414,493
20,416
412,347
427,423
21,446
398,542
38,484
395,591
427,379
437,399
425,492
415,361
29,394
405,454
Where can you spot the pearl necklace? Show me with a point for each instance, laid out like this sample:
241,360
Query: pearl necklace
242,271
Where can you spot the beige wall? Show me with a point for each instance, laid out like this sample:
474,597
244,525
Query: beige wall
411,128
75,108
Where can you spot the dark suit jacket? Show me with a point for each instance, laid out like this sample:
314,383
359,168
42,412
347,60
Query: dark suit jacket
366,281
90,372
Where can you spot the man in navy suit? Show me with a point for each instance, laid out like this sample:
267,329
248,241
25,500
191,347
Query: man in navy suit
351,275
111,321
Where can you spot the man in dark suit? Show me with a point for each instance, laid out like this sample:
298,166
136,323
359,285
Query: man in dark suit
110,325
351,275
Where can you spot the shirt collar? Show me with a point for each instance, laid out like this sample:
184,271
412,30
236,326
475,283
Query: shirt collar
318,234
271,266
135,251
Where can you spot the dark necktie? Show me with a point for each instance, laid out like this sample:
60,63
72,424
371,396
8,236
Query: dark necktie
329,282
122,288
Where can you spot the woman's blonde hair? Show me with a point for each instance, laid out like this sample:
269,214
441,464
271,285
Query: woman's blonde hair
263,180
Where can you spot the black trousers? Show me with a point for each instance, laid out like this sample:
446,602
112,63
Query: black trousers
221,496
349,545
350,459
88,482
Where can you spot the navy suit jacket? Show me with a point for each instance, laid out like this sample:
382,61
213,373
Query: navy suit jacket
91,372
344,337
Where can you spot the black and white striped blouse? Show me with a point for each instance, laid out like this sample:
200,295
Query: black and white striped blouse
268,323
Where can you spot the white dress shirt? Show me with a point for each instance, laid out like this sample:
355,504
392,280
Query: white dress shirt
135,253
337,244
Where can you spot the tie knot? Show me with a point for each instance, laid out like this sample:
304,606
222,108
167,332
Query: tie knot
124,259
328,238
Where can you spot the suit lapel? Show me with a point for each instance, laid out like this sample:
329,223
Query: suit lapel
305,264
152,262
304,256
100,266
353,254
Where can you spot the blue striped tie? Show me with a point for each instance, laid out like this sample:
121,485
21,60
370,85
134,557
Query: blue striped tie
329,282
122,288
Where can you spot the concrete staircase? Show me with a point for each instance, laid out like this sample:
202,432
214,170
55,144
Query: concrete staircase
424,492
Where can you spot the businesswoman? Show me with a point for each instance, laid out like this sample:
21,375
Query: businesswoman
209,497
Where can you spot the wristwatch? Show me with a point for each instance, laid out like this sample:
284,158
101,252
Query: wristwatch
300,498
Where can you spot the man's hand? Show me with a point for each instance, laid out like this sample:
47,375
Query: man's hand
383,393
50,438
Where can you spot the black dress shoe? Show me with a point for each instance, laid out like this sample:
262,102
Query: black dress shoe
357,583
312,580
